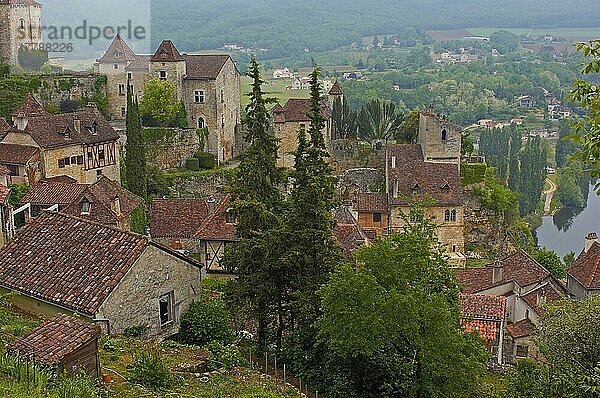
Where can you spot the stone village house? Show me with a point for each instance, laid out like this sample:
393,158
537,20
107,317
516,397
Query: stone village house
208,85
20,24
583,276
64,264
81,145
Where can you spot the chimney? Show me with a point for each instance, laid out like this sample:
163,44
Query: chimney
77,124
116,205
21,121
497,272
211,202
541,298
589,241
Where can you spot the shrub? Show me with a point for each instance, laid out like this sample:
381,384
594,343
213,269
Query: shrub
150,370
206,160
135,332
224,356
192,164
206,321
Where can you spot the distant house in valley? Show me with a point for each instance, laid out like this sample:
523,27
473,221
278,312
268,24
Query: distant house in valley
300,83
66,344
526,101
527,287
103,201
284,73
583,276
485,315
64,264
81,145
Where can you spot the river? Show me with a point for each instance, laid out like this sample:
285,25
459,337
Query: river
565,231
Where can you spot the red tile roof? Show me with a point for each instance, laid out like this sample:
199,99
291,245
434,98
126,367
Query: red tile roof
347,232
54,339
216,227
68,261
336,89
55,131
177,218
4,193
296,110
166,52
487,329
523,328
441,181
30,107
45,193
482,306
204,66
3,125
17,154
3,171
535,297
373,203
117,52
586,268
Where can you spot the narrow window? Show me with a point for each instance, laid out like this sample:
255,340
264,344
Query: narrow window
222,120
73,160
376,217
201,123
85,207
61,163
393,162
162,75
128,75
67,161
447,215
101,154
80,159
22,23
444,134
166,308
453,216
121,89
116,66
123,111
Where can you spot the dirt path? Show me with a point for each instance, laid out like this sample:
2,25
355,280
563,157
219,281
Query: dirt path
549,194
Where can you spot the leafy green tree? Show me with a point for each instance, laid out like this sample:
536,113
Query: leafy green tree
587,95
504,41
159,101
180,119
135,158
569,191
205,321
551,261
565,147
401,301
379,120
408,132
569,258
261,282
527,381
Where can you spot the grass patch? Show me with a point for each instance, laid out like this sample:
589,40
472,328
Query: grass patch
472,173
569,33
275,88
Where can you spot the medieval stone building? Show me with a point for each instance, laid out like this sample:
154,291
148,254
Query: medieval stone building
20,25
208,85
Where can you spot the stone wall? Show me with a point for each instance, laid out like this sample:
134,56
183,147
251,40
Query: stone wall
202,185
169,148
69,87
5,48
135,301
365,179
439,138
12,37
350,154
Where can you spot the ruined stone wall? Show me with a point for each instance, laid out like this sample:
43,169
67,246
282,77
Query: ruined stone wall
135,300
169,148
69,87
350,154
202,185
439,138
360,180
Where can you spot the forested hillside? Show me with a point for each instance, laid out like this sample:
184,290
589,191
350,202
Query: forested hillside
288,27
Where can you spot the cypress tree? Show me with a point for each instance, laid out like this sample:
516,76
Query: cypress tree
135,158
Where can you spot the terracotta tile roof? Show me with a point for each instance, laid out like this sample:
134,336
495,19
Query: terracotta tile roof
55,131
523,328
216,226
140,62
166,52
347,232
546,292
17,154
3,171
117,52
372,203
296,110
30,107
177,218
54,339
482,306
44,193
3,125
68,261
487,329
204,66
4,193
336,89
586,268
441,181
518,267
63,179
101,195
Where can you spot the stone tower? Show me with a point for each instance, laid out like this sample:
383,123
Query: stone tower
168,64
440,139
20,25
335,92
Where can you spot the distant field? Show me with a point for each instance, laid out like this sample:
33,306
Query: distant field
569,33
448,35
276,88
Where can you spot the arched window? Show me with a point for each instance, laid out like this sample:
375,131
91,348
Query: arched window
444,134
201,123
447,216
22,23
453,216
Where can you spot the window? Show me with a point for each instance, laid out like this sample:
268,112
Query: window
131,88
393,162
128,75
121,89
229,217
73,160
454,248
85,207
201,123
302,126
453,216
522,351
22,23
101,154
447,215
165,303
376,217
123,111
450,216
444,134
222,96
162,75
13,169
80,159
222,120
116,66
199,96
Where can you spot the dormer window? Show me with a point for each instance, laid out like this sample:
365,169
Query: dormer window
445,185
85,207
416,187
229,217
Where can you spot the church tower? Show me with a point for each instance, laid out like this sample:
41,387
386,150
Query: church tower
440,139
20,25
